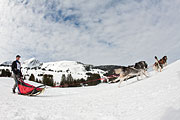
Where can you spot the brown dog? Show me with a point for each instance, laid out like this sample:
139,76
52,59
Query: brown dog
160,64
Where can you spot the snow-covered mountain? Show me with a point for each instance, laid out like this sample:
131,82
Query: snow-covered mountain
153,98
33,62
57,69
7,63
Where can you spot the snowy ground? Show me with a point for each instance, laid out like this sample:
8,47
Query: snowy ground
154,98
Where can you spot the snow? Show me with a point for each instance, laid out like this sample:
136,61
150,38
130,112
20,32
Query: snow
153,98
64,65
57,69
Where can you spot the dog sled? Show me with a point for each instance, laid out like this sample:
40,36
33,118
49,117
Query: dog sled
29,90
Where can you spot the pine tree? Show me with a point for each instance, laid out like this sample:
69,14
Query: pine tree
48,80
93,79
70,80
5,73
63,80
32,78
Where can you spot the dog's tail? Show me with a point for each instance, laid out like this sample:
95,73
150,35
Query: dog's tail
156,59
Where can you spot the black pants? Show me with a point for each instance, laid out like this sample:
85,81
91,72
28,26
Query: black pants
16,78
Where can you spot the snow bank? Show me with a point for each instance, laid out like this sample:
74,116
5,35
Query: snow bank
153,98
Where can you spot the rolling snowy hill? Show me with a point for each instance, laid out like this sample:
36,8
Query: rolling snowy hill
153,98
57,69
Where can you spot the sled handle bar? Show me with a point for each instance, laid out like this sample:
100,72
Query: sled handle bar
41,86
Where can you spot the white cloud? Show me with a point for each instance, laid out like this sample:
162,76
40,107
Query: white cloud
97,32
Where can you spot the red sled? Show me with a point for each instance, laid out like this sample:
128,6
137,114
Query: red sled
30,90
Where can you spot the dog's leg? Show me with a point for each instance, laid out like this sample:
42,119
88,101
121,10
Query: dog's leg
113,81
121,80
160,69
126,80
141,75
165,64
117,79
145,74
155,68
137,77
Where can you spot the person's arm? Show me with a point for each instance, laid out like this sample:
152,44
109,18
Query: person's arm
14,67
21,75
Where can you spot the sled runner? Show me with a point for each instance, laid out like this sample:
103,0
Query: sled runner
30,90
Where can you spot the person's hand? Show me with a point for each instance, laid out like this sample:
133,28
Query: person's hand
22,78
19,79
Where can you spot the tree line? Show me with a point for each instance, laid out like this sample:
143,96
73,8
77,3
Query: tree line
68,81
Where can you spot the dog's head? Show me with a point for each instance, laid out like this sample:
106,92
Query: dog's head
145,65
141,65
165,58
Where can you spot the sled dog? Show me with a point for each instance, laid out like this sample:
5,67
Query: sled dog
160,64
139,69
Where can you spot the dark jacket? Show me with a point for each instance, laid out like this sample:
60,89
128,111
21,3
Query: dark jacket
15,70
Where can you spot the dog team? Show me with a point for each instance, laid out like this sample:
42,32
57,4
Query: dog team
139,69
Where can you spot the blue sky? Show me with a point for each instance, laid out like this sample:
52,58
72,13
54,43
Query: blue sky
96,32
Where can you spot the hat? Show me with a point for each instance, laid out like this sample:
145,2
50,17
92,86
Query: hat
18,56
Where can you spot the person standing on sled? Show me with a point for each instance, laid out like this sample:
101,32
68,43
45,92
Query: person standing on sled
17,74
